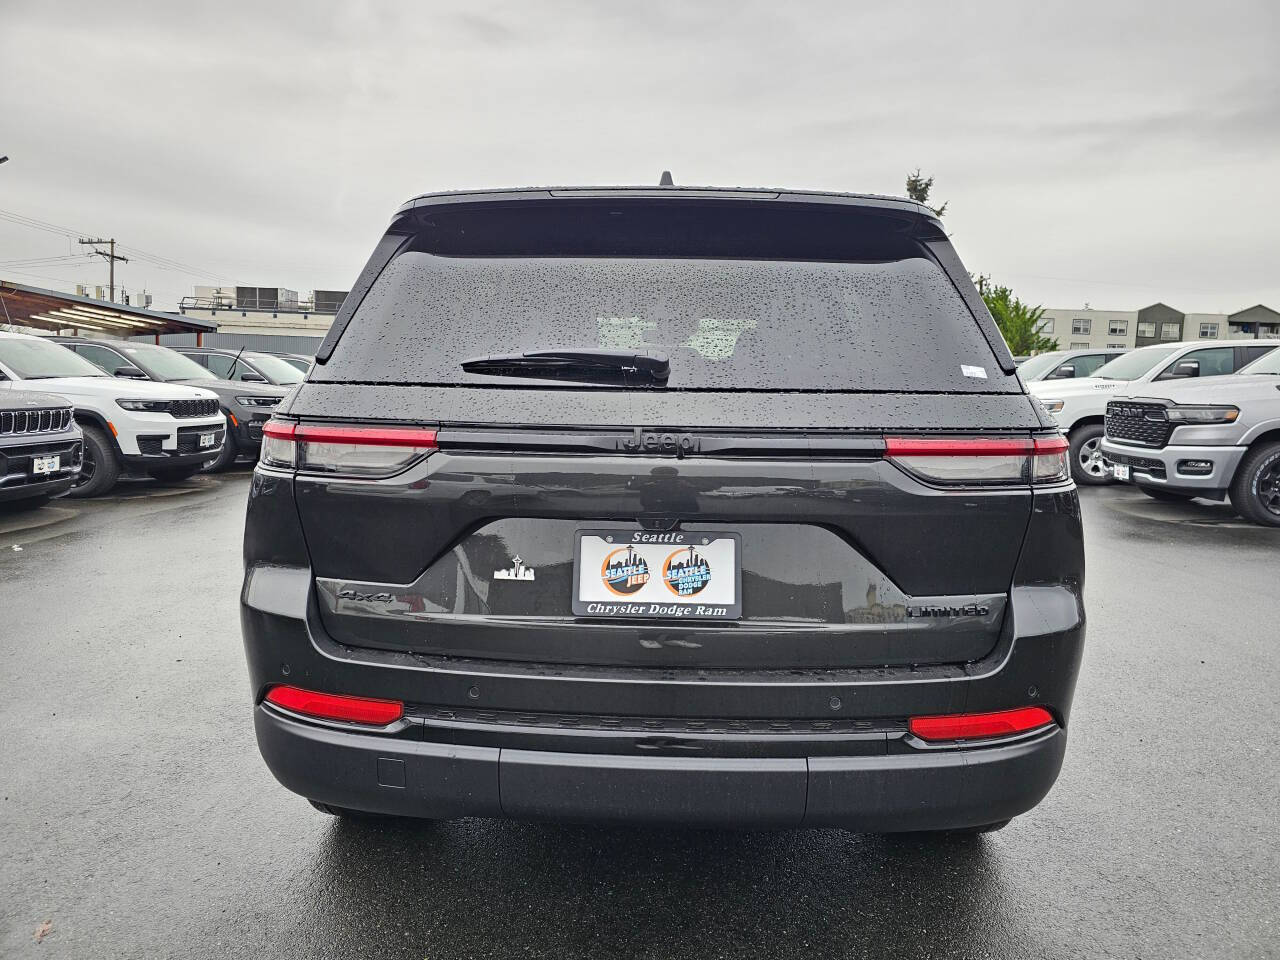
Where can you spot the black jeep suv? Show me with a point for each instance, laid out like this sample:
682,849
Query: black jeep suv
687,505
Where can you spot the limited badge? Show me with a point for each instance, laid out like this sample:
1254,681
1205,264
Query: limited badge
686,572
624,571
517,571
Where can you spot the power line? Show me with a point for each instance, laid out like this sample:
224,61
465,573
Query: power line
48,261
155,259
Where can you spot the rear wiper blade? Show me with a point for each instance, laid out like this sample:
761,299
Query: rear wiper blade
586,363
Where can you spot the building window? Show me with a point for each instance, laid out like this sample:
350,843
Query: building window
1208,330
1147,328
1118,328
1076,345
1116,346
1170,331
1045,325
1079,325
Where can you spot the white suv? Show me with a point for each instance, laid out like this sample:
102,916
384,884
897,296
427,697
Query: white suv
1080,405
136,426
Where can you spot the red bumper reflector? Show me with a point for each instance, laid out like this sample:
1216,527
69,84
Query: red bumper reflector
335,706
976,726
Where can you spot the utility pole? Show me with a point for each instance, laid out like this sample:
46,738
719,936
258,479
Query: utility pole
111,258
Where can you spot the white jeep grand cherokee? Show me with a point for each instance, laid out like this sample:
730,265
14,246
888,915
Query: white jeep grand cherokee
133,426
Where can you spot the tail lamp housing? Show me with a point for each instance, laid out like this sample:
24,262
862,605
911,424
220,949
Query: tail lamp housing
346,450
982,461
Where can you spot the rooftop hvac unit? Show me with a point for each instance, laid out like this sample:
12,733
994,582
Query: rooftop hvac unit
266,298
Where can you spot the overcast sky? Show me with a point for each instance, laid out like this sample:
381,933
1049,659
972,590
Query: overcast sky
1104,152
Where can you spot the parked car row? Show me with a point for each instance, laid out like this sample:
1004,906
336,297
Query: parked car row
134,408
1178,420
246,404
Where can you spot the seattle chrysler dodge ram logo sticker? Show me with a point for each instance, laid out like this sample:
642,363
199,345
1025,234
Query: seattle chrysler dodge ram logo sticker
686,572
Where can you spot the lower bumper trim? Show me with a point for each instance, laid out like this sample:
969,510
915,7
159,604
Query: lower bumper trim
944,789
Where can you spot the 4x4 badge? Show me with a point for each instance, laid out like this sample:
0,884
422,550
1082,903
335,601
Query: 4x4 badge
517,571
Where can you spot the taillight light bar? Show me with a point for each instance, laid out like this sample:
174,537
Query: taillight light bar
352,450
980,726
335,706
969,461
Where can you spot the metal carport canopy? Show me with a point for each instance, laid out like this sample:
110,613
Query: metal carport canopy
54,311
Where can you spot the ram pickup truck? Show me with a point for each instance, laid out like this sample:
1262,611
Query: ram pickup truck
1213,438
1080,405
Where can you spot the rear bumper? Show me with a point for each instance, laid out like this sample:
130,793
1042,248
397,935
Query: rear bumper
928,790
522,741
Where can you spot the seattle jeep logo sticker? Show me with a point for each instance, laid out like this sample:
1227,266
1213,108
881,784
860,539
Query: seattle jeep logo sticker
686,572
624,571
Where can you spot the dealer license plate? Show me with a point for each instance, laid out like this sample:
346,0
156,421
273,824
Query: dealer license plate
207,439
1120,471
672,574
41,465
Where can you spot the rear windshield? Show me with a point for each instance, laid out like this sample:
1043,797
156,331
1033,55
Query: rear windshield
724,324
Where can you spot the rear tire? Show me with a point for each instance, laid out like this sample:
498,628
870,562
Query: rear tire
101,467
1164,496
1255,489
172,474
227,457
1088,468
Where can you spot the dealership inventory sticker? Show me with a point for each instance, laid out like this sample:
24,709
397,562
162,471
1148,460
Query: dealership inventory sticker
666,574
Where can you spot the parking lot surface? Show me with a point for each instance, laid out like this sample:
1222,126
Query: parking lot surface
137,820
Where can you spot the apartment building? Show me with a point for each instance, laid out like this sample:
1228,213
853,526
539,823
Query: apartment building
1155,324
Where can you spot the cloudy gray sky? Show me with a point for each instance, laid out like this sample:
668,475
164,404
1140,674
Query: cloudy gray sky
1110,152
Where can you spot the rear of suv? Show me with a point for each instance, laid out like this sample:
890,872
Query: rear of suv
674,505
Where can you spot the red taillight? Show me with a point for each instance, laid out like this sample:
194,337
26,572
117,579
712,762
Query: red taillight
966,461
334,706
347,449
369,436
980,726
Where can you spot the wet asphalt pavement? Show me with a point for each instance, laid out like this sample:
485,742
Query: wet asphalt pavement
137,820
